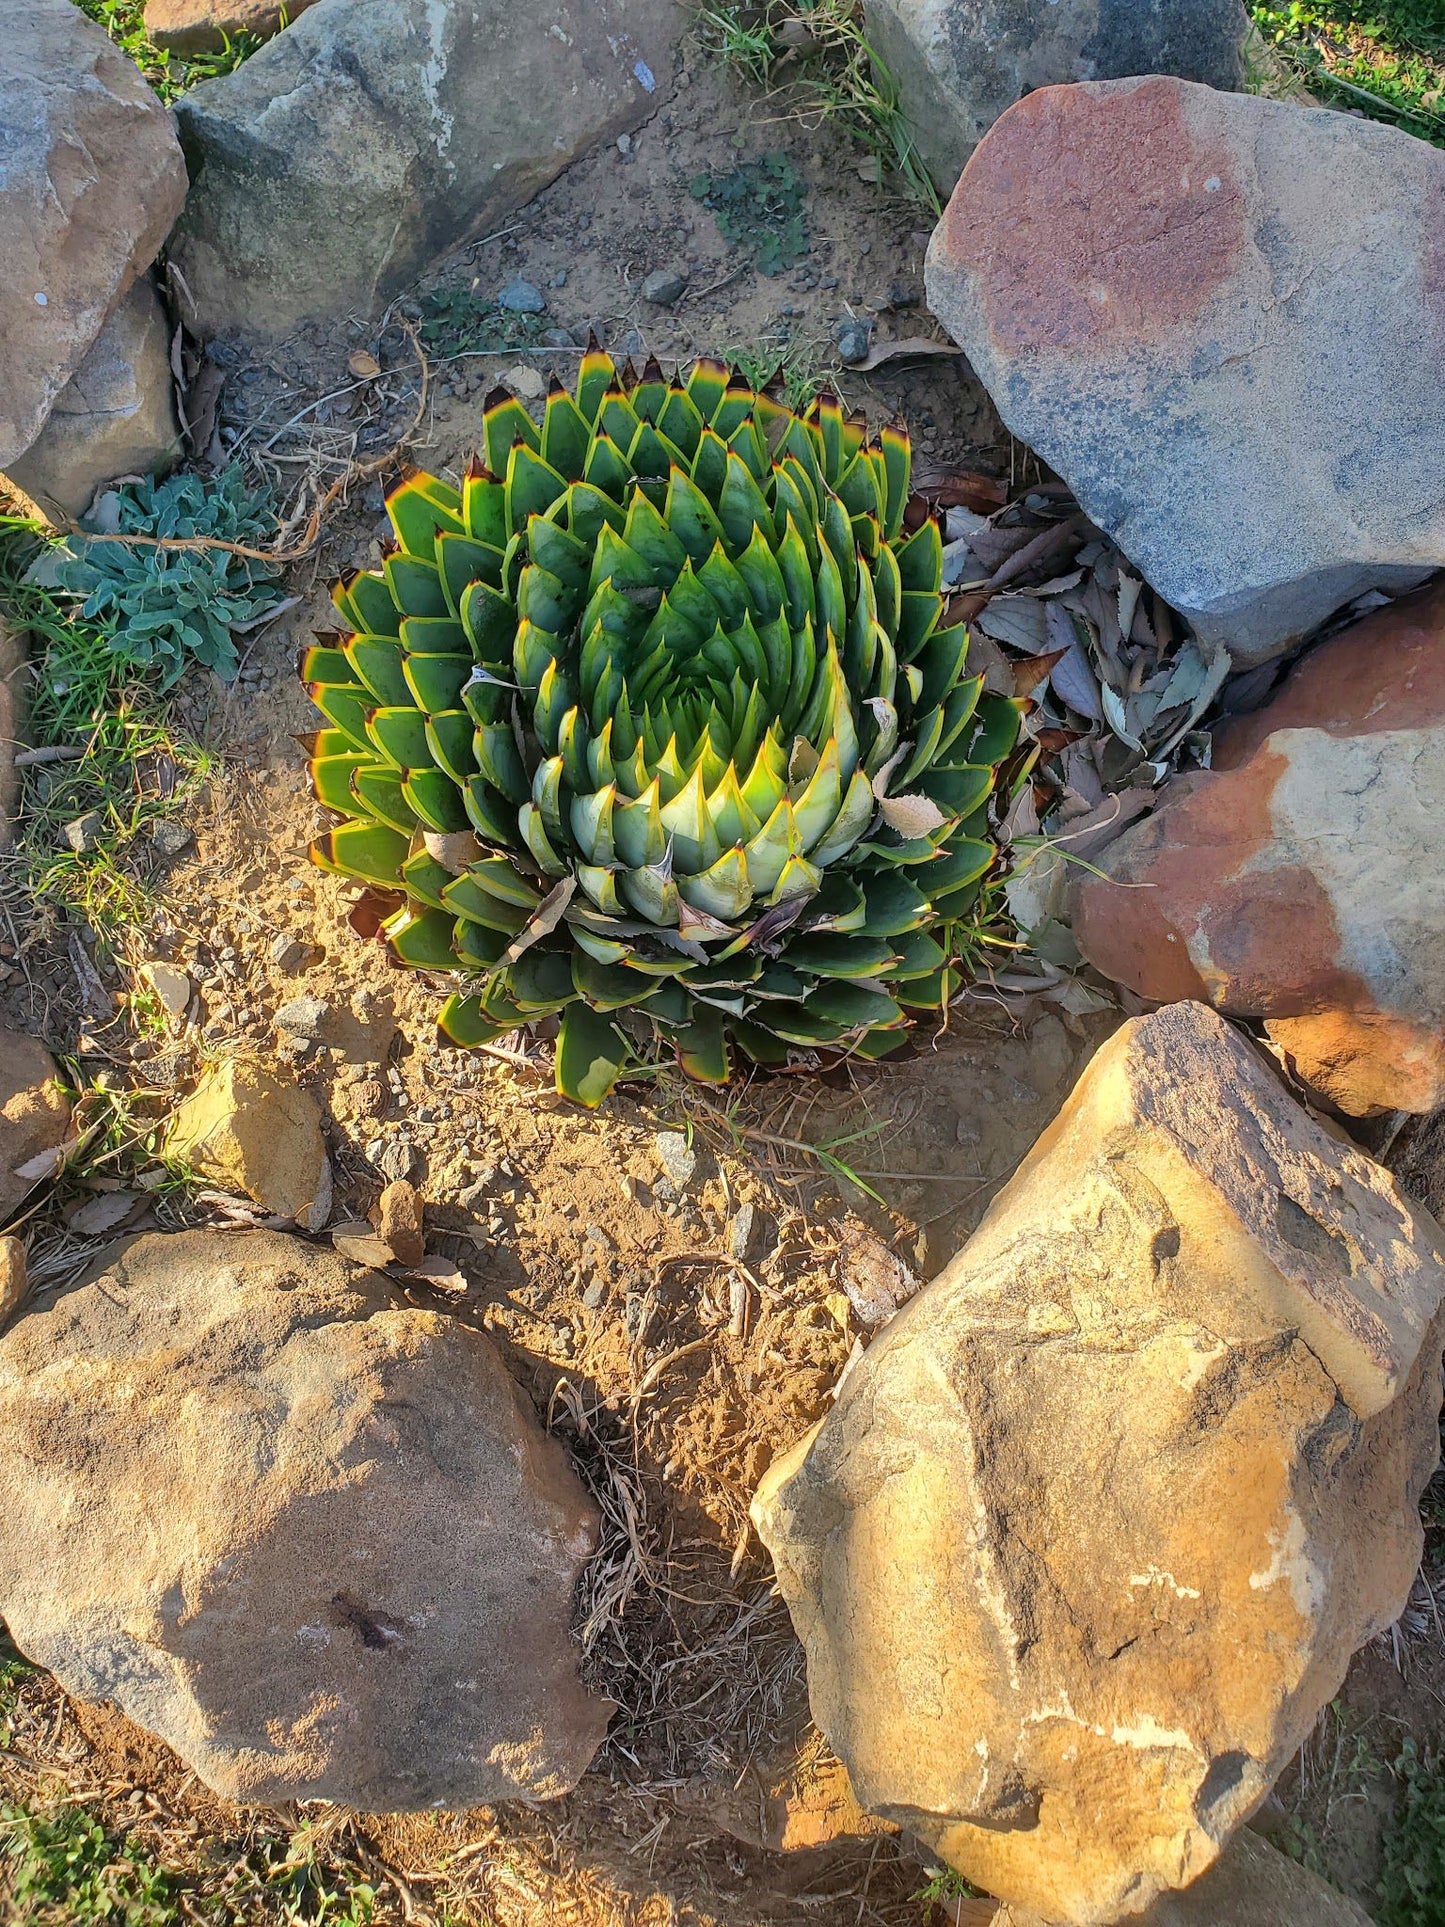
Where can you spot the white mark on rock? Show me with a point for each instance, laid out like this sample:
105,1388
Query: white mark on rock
1213,184
1146,1734
1156,1576
42,300
1289,1561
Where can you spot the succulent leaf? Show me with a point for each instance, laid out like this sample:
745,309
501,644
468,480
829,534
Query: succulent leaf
658,723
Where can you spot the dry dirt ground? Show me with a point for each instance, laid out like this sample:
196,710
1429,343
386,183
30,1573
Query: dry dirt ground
674,1348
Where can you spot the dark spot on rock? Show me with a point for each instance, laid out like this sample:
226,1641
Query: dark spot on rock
1305,1233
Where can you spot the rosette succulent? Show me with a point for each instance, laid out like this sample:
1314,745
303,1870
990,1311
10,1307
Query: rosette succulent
659,723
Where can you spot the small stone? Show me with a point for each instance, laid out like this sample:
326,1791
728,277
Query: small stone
13,1286
303,1016
678,1160
84,833
559,279
593,1295
559,338
171,986
396,1160
740,1231
665,286
291,954
876,1282
525,383
624,143
171,839
522,297
397,1217
854,339
247,1130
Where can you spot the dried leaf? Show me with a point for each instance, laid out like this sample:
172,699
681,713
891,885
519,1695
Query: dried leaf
912,815
45,1164
949,488
104,1212
438,1272
1116,718
986,659
1028,674
357,1241
542,923
1072,679
455,850
907,348
1018,620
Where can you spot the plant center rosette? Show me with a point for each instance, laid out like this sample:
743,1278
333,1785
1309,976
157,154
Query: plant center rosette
659,723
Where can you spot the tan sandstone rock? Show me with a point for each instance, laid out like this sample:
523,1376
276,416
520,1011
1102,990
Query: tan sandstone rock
34,1113
115,416
93,180
312,1538
246,1128
1250,1885
1298,879
203,26
13,1282
1096,1523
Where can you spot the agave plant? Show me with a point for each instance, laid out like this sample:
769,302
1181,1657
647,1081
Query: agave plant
659,722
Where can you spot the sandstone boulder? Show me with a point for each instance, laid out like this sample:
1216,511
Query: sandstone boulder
373,135
115,416
960,63
1097,1521
247,1129
1299,879
92,181
1250,1885
313,1539
1221,319
203,26
34,1113
13,1281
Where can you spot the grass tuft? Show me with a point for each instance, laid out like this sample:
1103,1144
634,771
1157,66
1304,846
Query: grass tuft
1412,1880
169,74
1385,58
121,755
820,54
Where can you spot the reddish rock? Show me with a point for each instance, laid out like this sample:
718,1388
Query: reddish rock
1221,319
1299,879
203,26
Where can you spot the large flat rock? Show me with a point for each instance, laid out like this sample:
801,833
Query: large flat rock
373,135
1222,320
313,1538
91,179
1096,1523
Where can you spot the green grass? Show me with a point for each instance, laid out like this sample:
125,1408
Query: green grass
1411,1890
1384,57
170,74
819,51
136,767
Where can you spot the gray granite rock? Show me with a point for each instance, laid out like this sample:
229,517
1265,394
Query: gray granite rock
962,63
373,135
1222,320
